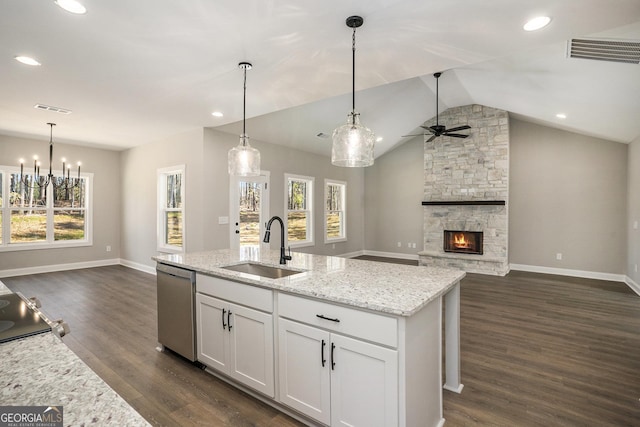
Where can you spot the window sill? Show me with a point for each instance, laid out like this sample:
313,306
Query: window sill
301,244
14,247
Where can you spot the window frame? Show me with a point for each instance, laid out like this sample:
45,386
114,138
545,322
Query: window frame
162,209
50,243
310,235
343,234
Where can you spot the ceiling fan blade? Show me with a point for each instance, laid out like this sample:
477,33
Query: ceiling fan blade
406,136
428,129
431,139
456,135
464,127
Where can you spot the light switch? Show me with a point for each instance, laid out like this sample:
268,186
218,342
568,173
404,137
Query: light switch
635,225
223,220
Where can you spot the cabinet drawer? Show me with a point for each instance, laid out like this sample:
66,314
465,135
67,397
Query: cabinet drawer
361,324
250,296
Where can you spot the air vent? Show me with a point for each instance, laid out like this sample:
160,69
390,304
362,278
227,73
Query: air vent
50,108
605,50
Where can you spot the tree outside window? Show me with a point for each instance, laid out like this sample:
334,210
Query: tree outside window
335,211
171,209
299,208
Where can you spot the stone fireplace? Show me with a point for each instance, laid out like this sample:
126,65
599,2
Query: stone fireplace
466,193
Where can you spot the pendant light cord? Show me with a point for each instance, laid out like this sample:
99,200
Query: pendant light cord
437,99
244,103
353,69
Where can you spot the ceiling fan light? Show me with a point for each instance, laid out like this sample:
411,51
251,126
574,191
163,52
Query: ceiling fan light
243,159
353,144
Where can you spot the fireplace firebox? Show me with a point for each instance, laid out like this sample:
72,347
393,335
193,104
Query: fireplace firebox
465,242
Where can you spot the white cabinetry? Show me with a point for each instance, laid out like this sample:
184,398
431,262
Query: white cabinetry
235,339
335,379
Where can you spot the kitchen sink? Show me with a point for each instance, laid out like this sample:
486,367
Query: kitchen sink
262,270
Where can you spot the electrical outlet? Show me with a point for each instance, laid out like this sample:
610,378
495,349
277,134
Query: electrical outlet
635,225
399,244
636,268
413,245
108,248
559,256
333,246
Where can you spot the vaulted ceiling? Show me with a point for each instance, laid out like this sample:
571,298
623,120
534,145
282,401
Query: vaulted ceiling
137,71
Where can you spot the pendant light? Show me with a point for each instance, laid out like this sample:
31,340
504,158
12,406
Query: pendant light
352,142
244,160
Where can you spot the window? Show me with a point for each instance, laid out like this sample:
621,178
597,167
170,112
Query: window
335,211
299,209
171,209
35,217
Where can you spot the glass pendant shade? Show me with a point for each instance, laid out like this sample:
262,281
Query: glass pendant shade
352,144
244,160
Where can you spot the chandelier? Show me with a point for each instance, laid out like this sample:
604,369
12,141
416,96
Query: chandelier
43,181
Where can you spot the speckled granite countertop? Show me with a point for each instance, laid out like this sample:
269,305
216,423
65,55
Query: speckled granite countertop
42,371
390,288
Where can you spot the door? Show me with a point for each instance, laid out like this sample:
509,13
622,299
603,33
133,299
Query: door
364,384
305,369
212,317
248,210
251,348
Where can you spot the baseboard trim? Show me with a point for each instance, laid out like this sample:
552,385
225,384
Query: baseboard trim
633,285
568,272
413,257
58,267
137,266
351,254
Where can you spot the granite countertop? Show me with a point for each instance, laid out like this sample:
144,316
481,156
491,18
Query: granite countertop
389,288
42,371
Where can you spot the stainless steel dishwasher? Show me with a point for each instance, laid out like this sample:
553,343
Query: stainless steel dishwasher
176,314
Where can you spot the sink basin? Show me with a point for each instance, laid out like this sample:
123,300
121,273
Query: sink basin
262,270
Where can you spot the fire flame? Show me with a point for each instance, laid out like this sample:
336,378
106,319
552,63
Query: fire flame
460,242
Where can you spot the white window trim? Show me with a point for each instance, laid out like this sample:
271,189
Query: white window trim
343,238
161,203
6,246
310,241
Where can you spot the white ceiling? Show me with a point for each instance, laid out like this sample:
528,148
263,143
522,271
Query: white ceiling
137,71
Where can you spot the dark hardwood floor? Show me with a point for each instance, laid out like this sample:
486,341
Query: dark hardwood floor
536,350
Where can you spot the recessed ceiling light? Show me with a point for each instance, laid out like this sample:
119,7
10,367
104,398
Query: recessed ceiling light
561,115
217,114
72,6
537,23
27,60
379,139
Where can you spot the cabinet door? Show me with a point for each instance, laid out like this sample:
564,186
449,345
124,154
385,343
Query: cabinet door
211,326
251,348
304,381
364,384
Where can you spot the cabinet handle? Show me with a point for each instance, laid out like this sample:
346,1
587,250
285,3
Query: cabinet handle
322,353
229,319
328,318
333,363
224,325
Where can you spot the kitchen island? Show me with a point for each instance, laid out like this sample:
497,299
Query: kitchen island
340,342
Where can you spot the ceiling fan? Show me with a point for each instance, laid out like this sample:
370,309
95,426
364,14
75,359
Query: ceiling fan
438,129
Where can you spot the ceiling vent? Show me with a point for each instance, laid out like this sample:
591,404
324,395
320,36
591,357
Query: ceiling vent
605,50
50,108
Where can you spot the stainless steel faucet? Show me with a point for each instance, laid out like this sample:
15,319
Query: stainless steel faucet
267,236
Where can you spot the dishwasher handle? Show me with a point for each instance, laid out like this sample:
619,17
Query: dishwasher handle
175,271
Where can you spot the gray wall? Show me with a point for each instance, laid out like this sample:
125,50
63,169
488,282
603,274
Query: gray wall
569,196
138,198
105,166
204,152
633,247
394,189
